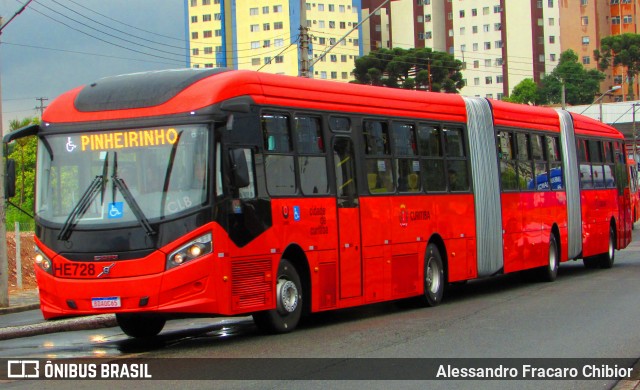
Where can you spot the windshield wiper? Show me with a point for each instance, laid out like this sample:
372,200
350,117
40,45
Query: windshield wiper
128,197
88,196
81,207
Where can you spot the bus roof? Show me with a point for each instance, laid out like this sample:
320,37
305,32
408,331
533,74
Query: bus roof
584,125
524,116
175,92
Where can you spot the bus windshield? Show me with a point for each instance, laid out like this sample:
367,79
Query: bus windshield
128,176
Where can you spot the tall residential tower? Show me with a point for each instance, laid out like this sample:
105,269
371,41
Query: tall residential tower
276,36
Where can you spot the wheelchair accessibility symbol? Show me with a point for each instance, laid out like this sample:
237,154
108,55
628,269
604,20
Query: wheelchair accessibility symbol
70,145
115,210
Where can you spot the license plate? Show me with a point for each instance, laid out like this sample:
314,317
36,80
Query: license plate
105,302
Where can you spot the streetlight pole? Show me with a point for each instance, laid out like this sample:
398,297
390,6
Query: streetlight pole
599,99
614,88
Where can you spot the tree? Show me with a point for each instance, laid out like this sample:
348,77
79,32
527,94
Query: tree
623,49
525,92
23,151
421,69
580,84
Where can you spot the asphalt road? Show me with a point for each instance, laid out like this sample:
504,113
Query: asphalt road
584,314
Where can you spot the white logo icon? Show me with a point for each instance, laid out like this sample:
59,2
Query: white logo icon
23,369
70,145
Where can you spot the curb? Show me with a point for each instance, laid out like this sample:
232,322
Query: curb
17,309
65,325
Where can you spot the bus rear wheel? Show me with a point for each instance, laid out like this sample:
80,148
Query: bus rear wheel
549,272
434,280
289,301
604,260
140,326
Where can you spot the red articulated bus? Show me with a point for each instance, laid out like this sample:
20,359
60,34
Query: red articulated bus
218,192
633,189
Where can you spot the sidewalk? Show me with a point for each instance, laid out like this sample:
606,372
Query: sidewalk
23,300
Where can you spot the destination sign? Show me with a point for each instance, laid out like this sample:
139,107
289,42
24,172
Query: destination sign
128,139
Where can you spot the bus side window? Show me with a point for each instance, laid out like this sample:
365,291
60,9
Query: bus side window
378,161
508,171
312,161
595,154
541,173
586,178
278,161
609,167
458,173
431,158
405,150
556,177
525,169
276,133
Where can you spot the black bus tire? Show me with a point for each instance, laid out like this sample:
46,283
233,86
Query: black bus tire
549,272
289,302
140,326
434,279
606,259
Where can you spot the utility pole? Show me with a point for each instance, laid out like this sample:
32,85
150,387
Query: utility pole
324,53
4,261
42,106
304,41
304,52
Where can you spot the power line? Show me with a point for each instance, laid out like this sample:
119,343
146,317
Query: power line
125,24
112,28
103,40
83,53
103,32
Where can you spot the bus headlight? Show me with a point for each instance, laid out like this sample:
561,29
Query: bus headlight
43,261
190,251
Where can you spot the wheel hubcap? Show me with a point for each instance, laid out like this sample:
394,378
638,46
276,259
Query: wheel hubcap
611,247
553,259
432,276
287,296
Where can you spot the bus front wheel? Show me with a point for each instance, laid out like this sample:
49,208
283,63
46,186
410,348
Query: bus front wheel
434,280
285,317
140,326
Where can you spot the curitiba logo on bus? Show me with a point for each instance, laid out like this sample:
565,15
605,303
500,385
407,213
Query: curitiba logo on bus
128,139
404,216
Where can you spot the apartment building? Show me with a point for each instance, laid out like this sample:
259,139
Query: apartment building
500,42
586,22
267,35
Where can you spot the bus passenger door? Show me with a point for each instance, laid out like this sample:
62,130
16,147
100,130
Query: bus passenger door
350,259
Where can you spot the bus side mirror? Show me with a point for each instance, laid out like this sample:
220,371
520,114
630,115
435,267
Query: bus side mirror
10,179
239,168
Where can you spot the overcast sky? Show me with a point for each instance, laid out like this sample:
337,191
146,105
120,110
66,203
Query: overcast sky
88,40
